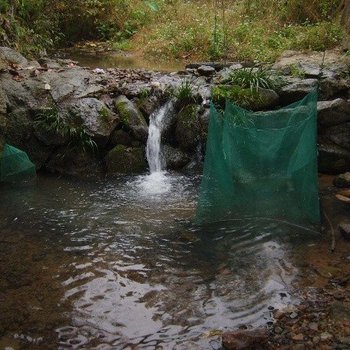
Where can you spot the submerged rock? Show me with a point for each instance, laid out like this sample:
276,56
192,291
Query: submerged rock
256,339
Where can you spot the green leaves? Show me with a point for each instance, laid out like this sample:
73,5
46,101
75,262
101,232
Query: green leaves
252,78
152,5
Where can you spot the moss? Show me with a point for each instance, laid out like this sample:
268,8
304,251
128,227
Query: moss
124,160
243,97
123,112
104,114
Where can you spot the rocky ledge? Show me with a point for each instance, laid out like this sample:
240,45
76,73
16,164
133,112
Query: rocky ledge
87,122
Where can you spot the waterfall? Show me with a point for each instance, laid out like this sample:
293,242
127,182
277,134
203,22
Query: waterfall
154,154
157,182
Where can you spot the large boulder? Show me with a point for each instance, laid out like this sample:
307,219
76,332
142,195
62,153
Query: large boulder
339,134
332,159
175,158
11,56
296,89
97,119
333,112
75,162
132,118
187,128
120,137
125,160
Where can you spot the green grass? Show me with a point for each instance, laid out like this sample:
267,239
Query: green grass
175,29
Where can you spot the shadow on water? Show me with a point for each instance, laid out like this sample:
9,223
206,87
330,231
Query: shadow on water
125,266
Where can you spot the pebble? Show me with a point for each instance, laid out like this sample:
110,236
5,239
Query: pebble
298,337
326,336
293,315
313,326
278,330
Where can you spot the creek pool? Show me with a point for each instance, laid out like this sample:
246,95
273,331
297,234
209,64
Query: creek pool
117,264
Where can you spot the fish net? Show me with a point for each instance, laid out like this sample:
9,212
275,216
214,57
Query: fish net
15,165
261,164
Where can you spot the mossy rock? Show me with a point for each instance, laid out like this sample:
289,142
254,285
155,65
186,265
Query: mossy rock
132,118
187,130
126,160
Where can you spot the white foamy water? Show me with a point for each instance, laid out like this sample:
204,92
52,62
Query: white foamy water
155,157
154,184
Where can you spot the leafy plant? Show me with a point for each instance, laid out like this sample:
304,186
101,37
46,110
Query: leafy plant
184,93
52,120
252,78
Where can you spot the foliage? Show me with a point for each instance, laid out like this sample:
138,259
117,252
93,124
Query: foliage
243,97
181,29
184,92
253,78
52,120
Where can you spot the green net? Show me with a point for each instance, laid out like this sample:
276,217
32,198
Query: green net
261,164
15,165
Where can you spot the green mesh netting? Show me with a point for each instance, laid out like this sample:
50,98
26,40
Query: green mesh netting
15,165
261,164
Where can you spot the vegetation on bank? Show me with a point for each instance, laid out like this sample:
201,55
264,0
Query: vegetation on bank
181,29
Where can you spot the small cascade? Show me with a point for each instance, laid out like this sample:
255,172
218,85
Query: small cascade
155,157
157,182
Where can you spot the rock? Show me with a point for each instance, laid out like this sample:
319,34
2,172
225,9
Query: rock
340,311
331,87
342,180
3,101
124,160
339,134
333,112
12,56
132,118
298,337
332,159
187,128
97,119
147,105
120,137
19,128
74,162
206,71
175,158
293,315
269,99
296,89
325,336
313,326
310,70
278,330
245,339
344,229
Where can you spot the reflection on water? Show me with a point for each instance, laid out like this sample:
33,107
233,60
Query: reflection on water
118,264
120,60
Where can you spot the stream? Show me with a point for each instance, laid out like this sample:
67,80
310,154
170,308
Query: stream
112,264
118,263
